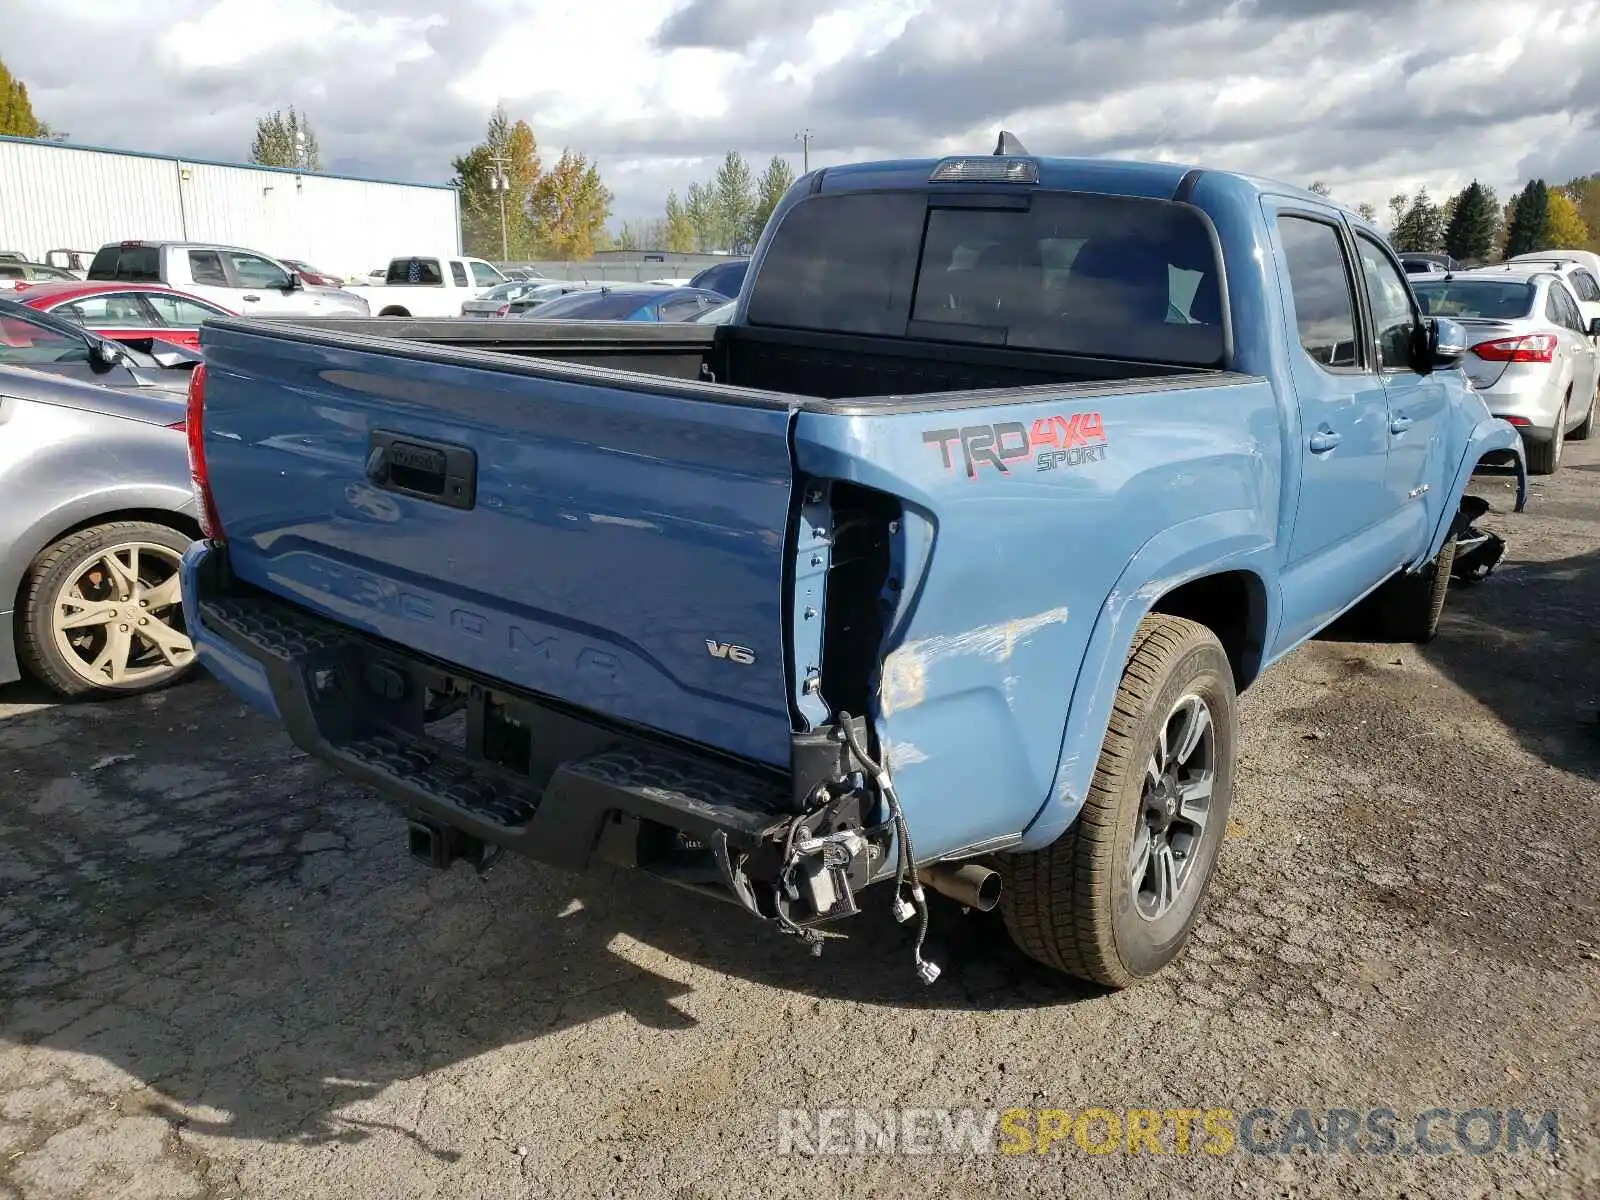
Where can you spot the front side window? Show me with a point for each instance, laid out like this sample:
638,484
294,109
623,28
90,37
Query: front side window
1319,281
483,275
24,343
254,272
1394,318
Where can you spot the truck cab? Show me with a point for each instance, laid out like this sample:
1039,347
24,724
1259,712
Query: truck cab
430,285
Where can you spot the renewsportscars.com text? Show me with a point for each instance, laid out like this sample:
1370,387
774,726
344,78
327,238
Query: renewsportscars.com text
1365,1132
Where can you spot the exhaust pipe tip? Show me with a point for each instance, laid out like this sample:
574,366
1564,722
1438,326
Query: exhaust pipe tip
970,885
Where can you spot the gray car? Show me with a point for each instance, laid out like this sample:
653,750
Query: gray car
1532,355
95,509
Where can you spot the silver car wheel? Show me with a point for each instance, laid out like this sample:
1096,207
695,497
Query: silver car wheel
118,620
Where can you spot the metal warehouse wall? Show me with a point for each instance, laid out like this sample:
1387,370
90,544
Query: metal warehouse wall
65,197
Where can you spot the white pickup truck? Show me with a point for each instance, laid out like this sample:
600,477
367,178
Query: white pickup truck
432,285
241,281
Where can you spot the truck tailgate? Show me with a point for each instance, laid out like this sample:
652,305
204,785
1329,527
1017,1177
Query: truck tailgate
619,545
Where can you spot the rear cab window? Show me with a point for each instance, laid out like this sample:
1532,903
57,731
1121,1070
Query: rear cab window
1103,276
127,263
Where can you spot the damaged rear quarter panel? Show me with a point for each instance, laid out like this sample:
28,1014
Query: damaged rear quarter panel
980,666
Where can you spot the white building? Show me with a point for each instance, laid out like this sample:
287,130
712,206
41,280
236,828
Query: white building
61,197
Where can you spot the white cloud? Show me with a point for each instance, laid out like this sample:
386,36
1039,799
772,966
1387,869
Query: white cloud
1371,95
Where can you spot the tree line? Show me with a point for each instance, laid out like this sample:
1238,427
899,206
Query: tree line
1474,227
724,213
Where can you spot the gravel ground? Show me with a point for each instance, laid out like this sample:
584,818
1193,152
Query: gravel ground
221,976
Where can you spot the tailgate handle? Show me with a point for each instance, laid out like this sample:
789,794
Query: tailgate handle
434,471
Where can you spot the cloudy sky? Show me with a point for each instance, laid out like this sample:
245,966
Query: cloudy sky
1370,95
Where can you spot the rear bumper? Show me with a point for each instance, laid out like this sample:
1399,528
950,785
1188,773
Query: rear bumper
1535,401
522,773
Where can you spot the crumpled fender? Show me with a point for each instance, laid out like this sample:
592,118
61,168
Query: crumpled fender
1488,436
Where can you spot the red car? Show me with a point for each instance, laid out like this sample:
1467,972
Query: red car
311,275
125,312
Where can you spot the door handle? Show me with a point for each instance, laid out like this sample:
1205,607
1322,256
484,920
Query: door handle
250,297
1400,424
1324,440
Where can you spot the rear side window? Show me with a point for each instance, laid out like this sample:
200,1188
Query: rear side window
1078,274
415,270
205,267
1319,281
133,264
1566,310
458,273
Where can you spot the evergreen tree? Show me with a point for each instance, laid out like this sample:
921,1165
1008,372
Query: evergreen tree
1421,227
1469,236
1529,228
770,188
282,141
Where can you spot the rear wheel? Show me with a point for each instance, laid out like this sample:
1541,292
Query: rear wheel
101,611
1582,432
1544,458
1114,898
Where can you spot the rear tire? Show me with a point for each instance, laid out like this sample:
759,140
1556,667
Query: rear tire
101,611
1582,432
1099,902
1544,458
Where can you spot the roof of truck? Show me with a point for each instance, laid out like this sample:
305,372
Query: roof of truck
1126,177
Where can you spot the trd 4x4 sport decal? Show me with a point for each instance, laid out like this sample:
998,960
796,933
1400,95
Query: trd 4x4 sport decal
1052,442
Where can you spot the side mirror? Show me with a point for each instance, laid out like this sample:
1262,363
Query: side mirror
295,283
1447,342
107,354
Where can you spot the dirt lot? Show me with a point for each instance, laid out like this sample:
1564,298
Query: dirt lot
221,976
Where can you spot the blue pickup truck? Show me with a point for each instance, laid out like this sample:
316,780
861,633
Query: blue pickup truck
940,566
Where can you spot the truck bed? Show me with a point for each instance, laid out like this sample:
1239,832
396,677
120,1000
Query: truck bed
749,365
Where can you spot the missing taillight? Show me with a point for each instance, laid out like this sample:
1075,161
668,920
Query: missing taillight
853,629
199,475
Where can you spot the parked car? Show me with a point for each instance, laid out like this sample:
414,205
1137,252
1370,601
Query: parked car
1422,262
1531,355
514,297
314,276
53,344
75,262
242,281
429,285
88,554
627,302
20,274
135,313
725,277
968,530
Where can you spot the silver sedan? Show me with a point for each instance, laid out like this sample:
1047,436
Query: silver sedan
95,509
1532,354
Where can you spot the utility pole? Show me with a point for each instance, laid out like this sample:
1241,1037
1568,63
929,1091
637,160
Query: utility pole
804,138
501,183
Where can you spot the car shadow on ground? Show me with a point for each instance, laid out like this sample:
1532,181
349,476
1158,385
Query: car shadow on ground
1524,643
255,949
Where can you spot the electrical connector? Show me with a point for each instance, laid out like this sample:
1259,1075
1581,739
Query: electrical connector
929,971
903,909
